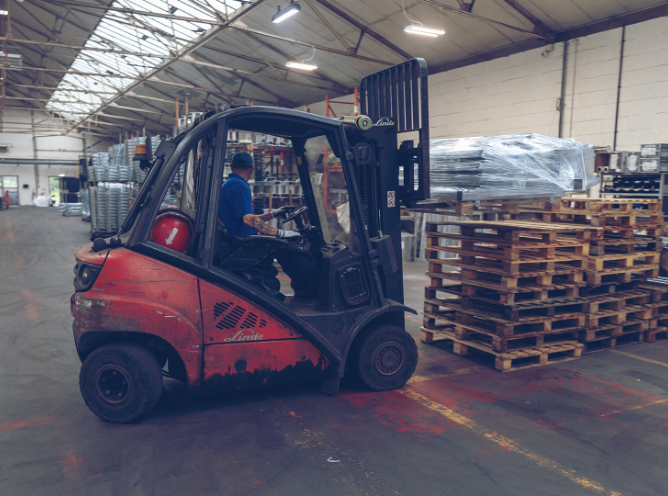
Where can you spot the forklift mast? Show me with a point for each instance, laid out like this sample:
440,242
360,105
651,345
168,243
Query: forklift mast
396,100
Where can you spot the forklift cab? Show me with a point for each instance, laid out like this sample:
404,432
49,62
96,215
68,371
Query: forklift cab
170,289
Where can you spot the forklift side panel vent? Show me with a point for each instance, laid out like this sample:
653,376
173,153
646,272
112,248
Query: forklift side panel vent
353,285
220,308
232,318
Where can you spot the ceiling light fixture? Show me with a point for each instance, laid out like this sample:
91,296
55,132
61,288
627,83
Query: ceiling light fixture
423,31
288,11
301,65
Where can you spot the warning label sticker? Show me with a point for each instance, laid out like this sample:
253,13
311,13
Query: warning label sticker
391,200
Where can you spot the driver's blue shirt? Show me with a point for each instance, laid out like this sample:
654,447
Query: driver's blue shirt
235,202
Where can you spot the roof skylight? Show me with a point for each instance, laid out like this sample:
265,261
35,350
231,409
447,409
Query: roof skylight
78,95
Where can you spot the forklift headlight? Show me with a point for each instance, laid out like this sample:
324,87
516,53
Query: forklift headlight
85,276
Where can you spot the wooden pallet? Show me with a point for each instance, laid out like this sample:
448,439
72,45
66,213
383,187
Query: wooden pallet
518,359
608,288
513,232
658,290
484,207
653,230
657,333
620,220
622,275
608,317
608,246
606,343
486,322
612,330
509,312
538,290
496,343
612,205
617,301
529,267
508,281
623,260
485,295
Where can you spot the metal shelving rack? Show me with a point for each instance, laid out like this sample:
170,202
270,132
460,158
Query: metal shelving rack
662,193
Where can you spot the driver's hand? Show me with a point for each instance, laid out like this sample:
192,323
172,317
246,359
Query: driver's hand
282,211
287,234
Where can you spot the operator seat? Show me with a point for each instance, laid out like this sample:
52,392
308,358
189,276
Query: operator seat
252,259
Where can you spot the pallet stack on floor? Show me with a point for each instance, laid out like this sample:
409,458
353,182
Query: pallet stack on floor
658,289
511,292
625,251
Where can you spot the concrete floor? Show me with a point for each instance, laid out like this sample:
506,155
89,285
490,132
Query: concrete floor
595,426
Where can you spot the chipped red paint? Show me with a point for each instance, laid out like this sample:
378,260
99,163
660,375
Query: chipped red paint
229,318
20,424
253,364
135,293
86,254
226,343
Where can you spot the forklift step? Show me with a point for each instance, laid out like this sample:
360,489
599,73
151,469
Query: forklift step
513,359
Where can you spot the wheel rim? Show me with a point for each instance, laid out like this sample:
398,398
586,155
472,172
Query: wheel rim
389,357
113,384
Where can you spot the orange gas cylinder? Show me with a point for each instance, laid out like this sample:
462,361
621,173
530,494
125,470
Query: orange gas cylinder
172,230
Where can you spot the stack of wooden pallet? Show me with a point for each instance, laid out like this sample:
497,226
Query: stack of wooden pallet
512,291
658,326
624,252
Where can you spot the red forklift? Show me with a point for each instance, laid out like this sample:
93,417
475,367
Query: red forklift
171,295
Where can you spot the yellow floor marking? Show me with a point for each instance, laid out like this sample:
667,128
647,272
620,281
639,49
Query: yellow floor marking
508,444
430,377
640,358
636,407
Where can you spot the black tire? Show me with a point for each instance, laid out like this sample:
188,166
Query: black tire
384,358
135,377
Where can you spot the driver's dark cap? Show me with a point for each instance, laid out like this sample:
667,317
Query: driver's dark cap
242,160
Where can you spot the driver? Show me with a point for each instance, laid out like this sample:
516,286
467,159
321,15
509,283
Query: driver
236,211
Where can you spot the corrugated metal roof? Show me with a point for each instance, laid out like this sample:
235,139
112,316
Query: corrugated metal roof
244,63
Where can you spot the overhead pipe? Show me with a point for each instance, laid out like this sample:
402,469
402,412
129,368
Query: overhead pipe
619,85
562,98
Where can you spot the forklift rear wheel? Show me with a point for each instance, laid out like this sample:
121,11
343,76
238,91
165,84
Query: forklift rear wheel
120,382
385,358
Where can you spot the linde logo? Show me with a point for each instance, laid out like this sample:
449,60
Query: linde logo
244,335
384,122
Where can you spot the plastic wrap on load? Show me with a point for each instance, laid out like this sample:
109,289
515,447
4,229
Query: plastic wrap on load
520,164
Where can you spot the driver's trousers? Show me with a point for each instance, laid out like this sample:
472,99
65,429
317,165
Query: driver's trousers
302,270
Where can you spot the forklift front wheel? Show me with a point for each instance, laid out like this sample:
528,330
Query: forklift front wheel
120,382
385,358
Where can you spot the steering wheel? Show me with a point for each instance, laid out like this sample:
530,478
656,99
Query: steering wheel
295,214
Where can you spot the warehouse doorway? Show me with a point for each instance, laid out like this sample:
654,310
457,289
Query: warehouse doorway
9,188
54,189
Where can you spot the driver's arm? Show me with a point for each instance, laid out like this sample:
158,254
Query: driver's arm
258,223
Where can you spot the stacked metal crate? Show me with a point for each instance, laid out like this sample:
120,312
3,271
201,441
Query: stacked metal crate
625,252
512,291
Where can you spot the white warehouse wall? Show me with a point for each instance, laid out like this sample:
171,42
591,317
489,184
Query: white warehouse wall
518,93
16,132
